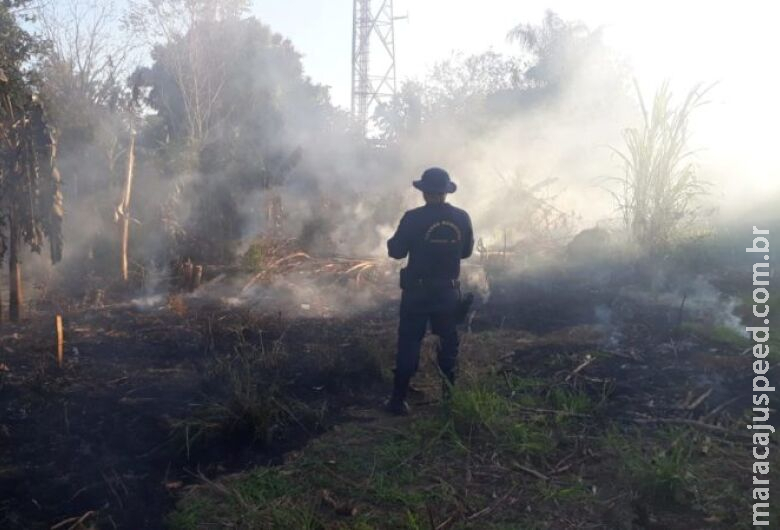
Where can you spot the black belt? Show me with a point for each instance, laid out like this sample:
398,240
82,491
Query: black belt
435,282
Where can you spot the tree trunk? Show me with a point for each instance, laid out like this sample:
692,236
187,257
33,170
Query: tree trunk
125,206
14,274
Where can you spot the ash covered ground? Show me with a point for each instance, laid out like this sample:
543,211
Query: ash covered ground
613,399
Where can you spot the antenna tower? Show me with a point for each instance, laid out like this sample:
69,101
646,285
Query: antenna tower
373,58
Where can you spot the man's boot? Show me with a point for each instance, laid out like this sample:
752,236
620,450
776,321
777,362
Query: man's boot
397,403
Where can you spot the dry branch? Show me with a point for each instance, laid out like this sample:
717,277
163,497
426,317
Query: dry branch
688,422
588,359
698,401
530,471
74,522
493,506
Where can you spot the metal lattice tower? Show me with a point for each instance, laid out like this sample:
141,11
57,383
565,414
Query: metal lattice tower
373,76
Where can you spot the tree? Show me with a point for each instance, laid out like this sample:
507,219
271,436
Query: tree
189,55
83,70
458,87
233,110
475,91
30,197
557,49
88,54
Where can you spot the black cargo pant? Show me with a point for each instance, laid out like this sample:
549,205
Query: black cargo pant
418,309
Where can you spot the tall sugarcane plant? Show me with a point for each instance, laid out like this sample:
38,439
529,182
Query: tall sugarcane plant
659,188
31,207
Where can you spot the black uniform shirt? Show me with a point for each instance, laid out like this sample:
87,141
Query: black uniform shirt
435,237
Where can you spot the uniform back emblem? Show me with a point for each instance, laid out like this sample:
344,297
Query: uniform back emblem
443,232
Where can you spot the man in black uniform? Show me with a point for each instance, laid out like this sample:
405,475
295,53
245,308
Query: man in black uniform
435,237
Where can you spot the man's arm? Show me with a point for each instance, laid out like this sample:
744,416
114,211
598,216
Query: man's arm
468,239
398,245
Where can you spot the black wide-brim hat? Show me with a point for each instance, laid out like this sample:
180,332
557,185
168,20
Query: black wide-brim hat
435,180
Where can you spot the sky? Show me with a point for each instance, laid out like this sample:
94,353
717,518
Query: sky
683,41
686,42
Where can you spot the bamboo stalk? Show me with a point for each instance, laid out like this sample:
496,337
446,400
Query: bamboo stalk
60,341
125,206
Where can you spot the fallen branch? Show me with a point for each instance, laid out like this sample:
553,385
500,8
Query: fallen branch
689,422
700,399
588,360
720,407
530,471
74,522
288,258
632,355
448,522
360,266
553,411
493,506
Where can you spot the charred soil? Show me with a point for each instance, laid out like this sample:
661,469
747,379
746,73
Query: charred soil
580,405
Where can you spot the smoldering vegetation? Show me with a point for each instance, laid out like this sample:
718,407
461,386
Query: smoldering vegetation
229,310
235,145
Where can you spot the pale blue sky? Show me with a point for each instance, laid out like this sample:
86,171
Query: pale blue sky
731,43
683,41
688,41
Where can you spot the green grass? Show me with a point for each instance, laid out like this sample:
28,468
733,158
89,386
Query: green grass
189,514
573,491
478,410
729,336
465,457
661,471
394,476
529,438
264,498
519,385
571,401
398,474
254,257
717,334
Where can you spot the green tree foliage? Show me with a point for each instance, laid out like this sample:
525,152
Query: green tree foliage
30,198
479,90
233,107
557,49
83,71
459,87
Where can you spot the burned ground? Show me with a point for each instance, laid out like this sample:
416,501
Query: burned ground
582,404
